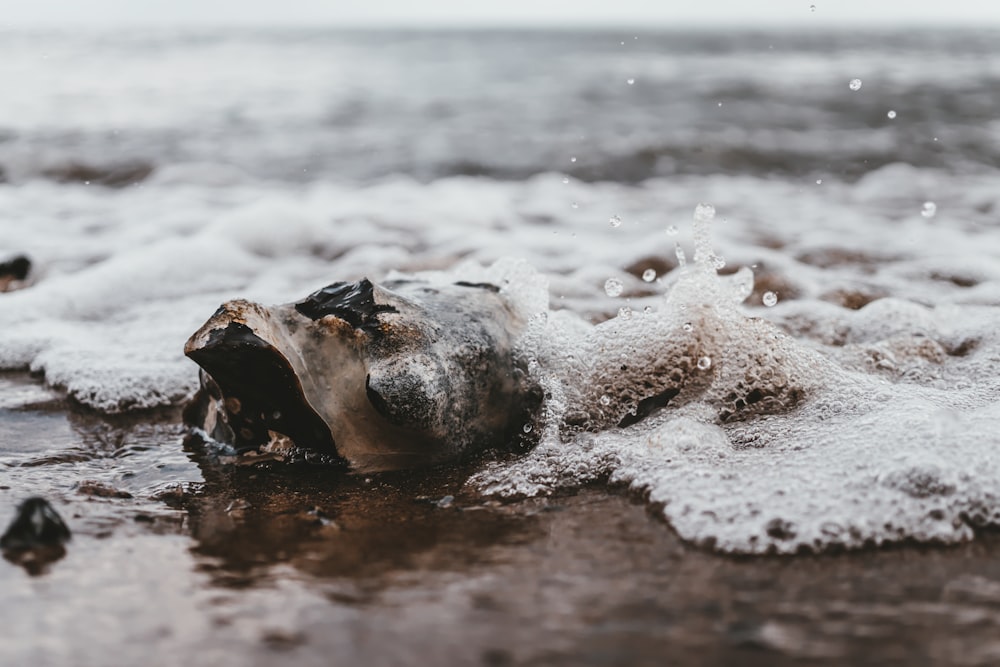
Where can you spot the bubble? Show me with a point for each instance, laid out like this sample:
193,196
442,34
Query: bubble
929,209
613,287
705,363
605,399
769,299
625,313
526,428
630,81
812,8
671,230
565,180
649,275
688,326
704,212
647,309
615,221
891,114
855,84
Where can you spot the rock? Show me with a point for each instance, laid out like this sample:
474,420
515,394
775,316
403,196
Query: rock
37,525
13,271
381,377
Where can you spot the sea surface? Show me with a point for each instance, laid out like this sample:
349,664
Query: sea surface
151,175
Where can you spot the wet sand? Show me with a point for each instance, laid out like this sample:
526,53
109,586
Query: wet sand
178,558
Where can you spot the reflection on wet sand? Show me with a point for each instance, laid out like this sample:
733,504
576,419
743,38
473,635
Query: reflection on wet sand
329,524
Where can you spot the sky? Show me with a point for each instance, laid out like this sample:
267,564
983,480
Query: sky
528,13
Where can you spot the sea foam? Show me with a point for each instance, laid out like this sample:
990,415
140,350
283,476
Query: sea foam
857,410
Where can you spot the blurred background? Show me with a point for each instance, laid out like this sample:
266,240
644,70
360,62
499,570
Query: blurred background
110,92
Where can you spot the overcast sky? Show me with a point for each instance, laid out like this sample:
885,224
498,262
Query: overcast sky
541,13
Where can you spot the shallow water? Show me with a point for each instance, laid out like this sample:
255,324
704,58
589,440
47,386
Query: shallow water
179,181
231,565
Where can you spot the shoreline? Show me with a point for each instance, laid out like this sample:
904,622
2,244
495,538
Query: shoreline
295,560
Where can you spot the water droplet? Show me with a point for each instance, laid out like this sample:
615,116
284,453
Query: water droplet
688,327
681,257
891,114
819,181
812,8
704,212
605,399
929,210
671,230
705,363
625,313
649,275
613,287
855,84
720,104
526,428
769,299
573,159
630,81
565,180
574,205
647,309
615,221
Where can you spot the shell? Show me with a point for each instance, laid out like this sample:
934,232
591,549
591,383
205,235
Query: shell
384,377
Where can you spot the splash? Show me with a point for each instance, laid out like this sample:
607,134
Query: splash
751,440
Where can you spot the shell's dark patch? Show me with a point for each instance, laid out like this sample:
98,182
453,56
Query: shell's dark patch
401,401
352,302
261,392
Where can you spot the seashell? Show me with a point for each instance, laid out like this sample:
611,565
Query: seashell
383,377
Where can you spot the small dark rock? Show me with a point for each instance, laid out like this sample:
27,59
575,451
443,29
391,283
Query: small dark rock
98,490
13,271
37,525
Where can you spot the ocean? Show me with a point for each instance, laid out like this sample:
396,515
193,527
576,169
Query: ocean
152,174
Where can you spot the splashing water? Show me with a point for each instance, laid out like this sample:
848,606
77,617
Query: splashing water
855,84
750,440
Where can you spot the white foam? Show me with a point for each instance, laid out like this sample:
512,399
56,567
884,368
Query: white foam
894,437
